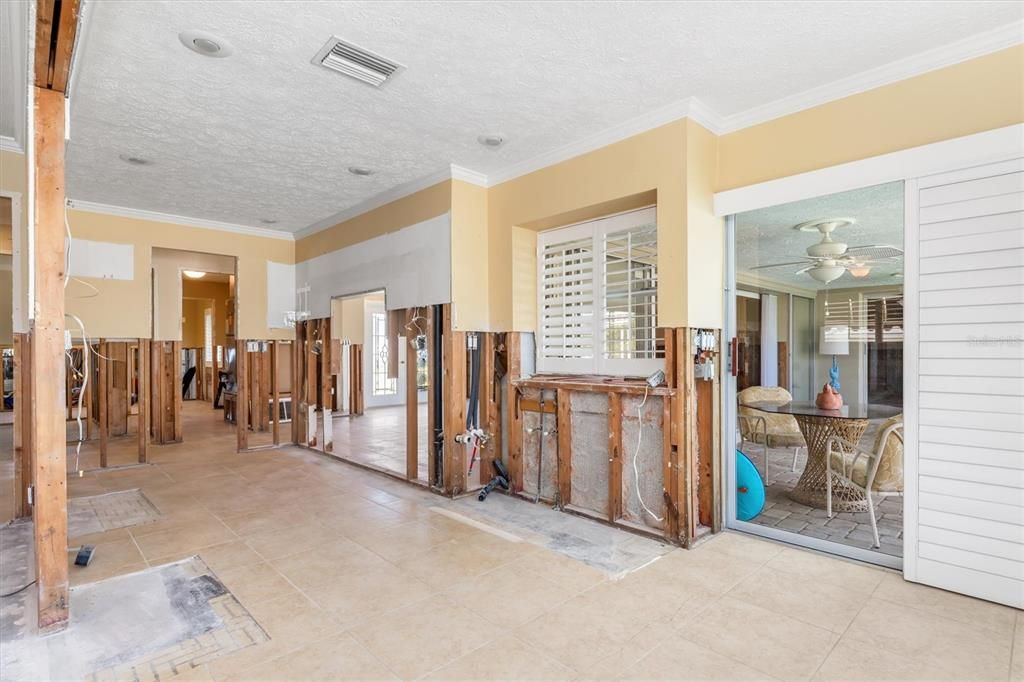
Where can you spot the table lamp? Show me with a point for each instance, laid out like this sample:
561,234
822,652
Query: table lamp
835,340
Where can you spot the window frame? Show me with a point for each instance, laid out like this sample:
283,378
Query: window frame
596,230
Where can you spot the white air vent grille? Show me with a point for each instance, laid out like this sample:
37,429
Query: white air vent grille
356,62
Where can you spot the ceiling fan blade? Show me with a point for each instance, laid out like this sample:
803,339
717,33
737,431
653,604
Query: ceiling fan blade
876,250
779,265
807,269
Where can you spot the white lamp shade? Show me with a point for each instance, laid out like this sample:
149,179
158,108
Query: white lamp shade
835,340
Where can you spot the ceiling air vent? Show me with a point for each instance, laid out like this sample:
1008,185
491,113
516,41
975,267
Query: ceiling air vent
356,62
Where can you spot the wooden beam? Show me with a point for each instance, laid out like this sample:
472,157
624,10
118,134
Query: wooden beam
275,392
242,396
298,413
614,456
50,527
489,415
44,37
326,383
431,387
454,385
142,369
412,400
687,438
214,376
564,428
179,430
670,491
22,424
255,370
312,381
103,386
513,344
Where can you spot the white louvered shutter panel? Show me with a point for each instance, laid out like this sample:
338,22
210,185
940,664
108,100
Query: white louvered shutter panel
630,293
567,305
966,413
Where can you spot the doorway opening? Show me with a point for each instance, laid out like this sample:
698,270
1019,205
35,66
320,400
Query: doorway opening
815,401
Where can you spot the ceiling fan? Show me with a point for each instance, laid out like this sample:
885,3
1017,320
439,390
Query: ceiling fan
827,260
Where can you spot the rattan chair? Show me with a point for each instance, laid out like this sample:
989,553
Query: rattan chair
769,430
875,473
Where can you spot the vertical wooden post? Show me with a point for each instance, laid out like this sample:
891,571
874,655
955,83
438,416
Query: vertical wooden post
513,344
242,395
687,438
22,423
412,400
454,383
614,456
275,392
431,387
142,367
50,497
312,381
298,408
214,376
255,388
326,383
668,464
564,428
179,430
103,386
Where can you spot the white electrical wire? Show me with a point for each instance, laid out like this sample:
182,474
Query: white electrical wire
81,393
636,471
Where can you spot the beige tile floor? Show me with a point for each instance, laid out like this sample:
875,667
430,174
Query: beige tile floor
353,577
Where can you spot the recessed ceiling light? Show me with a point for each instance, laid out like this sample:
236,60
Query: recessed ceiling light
206,44
361,171
491,141
135,160
193,274
268,221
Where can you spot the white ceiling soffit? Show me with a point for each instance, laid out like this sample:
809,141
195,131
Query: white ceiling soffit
264,137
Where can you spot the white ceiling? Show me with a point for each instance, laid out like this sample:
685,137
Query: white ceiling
766,236
265,135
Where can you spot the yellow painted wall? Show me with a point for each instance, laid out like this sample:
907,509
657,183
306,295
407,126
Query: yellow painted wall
193,318
470,262
168,286
970,97
123,308
415,208
212,291
705,235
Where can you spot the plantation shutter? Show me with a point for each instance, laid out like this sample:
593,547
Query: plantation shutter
567,303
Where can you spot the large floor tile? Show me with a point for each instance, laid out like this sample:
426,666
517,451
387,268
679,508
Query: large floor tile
336,658
420,638
328,564
815,567
826,605
681,659
507,596
255,583
894,588
970,651
361,595
508,659
188,538
769,642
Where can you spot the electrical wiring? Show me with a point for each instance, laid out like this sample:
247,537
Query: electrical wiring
17,591
636,471
81,393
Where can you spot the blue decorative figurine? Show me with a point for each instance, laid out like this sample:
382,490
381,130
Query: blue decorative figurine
833,374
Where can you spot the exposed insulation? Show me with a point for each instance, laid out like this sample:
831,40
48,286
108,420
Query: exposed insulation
589,415
648,460
531,450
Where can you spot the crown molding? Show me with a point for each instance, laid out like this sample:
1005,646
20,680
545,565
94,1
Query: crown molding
125,212
470,176
688,108
386,197
9,144
972,47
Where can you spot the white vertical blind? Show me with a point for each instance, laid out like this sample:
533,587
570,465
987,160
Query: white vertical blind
968,403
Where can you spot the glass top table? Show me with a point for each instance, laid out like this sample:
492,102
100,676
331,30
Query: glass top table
817,426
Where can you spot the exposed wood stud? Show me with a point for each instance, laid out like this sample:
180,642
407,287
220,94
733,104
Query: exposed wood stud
143,400
312,382
103,384
431,383
275,391
326,383
488,410
241,397
175,387
513,344
50,495
614,456
454,387
564,428
412,402
22,423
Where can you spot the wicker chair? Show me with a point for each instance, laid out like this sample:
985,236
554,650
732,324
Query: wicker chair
763,428
872,473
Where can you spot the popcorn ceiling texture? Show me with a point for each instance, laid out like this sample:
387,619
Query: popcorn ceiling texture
264,134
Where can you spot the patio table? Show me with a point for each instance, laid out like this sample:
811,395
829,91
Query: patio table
817,426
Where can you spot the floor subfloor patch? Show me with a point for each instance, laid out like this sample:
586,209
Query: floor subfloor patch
611,550
99,513
151,625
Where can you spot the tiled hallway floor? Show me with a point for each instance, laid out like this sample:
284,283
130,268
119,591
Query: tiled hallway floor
376,438
353,576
